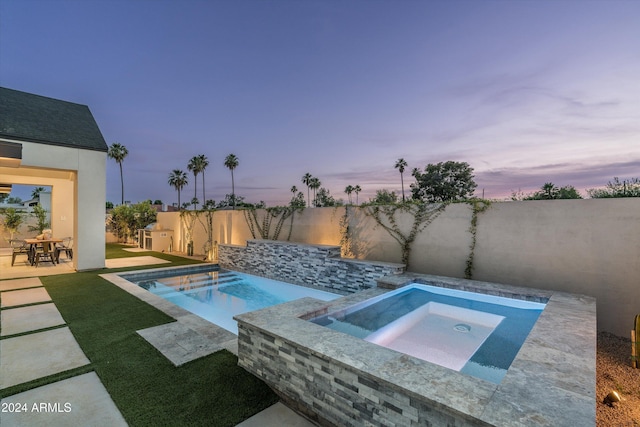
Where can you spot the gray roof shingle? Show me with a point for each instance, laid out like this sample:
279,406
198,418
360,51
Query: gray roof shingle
34,118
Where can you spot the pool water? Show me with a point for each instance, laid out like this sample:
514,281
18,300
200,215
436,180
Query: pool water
472,333
217,294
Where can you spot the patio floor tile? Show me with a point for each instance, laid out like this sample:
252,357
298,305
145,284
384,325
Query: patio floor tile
31,282
31,318
77,401
28,357
134,261
24,296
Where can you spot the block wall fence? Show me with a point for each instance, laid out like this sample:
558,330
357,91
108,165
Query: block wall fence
589,246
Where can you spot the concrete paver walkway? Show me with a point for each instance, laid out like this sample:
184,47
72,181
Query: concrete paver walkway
77,401
30,318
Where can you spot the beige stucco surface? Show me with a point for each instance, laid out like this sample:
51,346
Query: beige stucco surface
589,247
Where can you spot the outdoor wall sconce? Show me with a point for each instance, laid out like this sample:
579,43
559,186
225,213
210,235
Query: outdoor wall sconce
10,154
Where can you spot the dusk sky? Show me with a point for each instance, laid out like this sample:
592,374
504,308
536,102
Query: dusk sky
526,92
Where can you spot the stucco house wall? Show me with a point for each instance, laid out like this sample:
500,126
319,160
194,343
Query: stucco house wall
61,147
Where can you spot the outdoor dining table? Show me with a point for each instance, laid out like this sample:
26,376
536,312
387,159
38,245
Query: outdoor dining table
33,243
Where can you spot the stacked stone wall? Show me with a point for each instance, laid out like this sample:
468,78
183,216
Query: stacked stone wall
306,265
333,394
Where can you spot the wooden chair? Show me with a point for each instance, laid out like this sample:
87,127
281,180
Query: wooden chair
46,252
19,247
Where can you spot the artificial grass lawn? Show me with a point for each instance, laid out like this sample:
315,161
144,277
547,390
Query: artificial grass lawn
145,386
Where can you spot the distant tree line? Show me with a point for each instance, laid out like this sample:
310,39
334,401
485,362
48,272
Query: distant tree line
437,183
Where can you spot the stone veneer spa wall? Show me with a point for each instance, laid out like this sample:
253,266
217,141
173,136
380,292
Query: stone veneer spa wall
337,379
306,265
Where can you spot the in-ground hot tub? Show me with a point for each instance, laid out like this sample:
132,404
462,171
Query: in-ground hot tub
477,334
338,379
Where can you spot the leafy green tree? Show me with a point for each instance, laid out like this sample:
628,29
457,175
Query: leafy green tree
231,200
42,219
118,152
12,200
444,182
325,199
616,189
127,219
297,201
400,165
178,179
231,162
549,191
109,205
12,221
306,180
384,197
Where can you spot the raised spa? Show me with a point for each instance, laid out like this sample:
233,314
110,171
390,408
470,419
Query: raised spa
335,378
472,333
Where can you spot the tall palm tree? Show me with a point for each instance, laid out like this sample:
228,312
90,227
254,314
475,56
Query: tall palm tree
357,190
204,162
349,190
118,152
400,165
314,184
306,180
178,179
231,162
195,166
294,189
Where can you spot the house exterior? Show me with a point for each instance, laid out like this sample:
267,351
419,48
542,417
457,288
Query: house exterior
49,142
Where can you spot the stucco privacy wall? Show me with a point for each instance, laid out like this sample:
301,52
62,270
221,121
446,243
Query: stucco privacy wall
589,247
78,195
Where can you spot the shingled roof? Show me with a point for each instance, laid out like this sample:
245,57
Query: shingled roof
34,118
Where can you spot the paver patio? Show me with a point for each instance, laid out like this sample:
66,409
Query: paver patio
30,318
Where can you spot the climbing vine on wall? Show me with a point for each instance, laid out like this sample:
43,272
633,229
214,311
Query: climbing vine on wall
478,206
276,215
188,219
423,215
346,242
209,247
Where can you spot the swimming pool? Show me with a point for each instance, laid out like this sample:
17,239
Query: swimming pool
476,334
217,295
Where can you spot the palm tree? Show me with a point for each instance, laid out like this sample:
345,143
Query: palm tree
357,190
231,162
195,166
349,189
204,162
400,165
306,180
178,179
294,189
314,184
35,194
118,152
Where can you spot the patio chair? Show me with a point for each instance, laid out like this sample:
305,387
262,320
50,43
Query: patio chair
46,252
66,246
19,247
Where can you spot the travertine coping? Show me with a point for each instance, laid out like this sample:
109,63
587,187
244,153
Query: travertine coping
551,382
